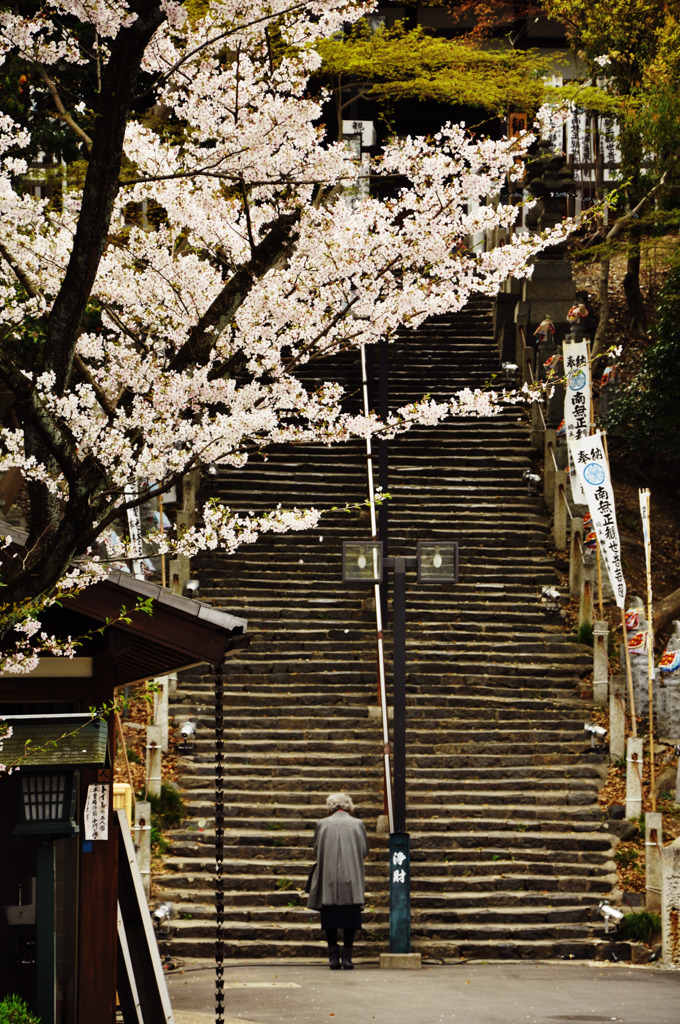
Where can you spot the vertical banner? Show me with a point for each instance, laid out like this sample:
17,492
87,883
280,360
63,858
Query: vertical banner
590,460
135,530
577,404
96,813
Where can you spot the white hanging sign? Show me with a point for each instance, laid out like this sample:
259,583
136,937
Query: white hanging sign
135,530
590,460
577,405
96,813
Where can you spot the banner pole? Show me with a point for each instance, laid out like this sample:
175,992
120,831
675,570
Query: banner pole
646,530
629,674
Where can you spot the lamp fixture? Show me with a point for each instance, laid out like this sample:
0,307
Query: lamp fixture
533,482
596,732
162,915
191,588
187,736
551,599
47,804
437,562
612,915
362,561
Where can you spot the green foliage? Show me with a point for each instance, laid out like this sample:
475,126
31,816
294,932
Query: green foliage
632,47
585,634
397,63
646,410
641,927
158,841
13,1010
626,857
167,810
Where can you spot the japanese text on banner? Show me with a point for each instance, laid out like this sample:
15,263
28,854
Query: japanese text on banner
96,813
577,402
591,464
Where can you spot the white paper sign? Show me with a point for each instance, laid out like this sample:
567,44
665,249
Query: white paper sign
96,814
577,403
135,531
591,464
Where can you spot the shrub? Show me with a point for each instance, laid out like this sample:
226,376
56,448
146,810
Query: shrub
585,634
646,410
13,1010
167,810
641,927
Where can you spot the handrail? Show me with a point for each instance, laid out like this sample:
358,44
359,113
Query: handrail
382,684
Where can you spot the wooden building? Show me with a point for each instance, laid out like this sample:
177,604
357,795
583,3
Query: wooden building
59,934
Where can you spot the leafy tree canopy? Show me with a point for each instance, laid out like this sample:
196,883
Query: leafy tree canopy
397,63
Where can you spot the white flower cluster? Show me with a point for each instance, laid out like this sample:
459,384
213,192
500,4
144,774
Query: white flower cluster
257,263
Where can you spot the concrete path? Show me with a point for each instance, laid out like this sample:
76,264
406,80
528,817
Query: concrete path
509,992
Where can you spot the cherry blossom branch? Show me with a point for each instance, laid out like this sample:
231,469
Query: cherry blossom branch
62,113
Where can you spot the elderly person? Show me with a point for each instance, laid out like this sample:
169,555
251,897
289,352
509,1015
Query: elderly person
337,883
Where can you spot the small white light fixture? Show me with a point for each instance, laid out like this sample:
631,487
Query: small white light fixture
162,915
596,732
551,598
533,482
612,915
187,735
191,588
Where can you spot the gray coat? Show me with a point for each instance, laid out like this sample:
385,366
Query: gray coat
340,845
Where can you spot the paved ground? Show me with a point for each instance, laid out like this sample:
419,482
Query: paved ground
507,992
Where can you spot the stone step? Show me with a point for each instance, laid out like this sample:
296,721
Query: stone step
509,855
501,947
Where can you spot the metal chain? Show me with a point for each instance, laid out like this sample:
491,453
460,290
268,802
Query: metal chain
219,845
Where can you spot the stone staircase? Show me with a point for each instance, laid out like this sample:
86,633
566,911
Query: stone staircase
509,853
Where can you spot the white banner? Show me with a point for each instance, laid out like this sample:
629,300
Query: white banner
577,402
135,530
96,813
591,464
644,515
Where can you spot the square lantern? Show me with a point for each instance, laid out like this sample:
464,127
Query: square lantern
362,561
47,804
437,562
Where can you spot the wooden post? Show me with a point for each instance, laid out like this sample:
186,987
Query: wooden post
560,514
549,467
585,608
143,842
153,760
575,556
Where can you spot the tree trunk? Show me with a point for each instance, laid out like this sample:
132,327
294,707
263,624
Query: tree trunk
637,323
603,298
667,610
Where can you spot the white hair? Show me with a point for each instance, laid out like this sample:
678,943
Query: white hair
339,802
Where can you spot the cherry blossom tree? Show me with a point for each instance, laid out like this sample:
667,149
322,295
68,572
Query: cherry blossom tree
157,306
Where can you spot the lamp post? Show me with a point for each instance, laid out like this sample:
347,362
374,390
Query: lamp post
363,562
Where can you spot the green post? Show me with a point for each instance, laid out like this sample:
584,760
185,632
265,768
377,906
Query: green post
400,893
46,942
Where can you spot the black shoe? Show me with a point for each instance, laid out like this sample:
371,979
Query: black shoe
347,964
334,958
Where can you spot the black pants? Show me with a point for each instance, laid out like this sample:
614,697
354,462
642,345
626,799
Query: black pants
348,936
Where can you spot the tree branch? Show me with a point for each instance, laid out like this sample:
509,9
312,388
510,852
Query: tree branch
99,191
62,113
276,243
